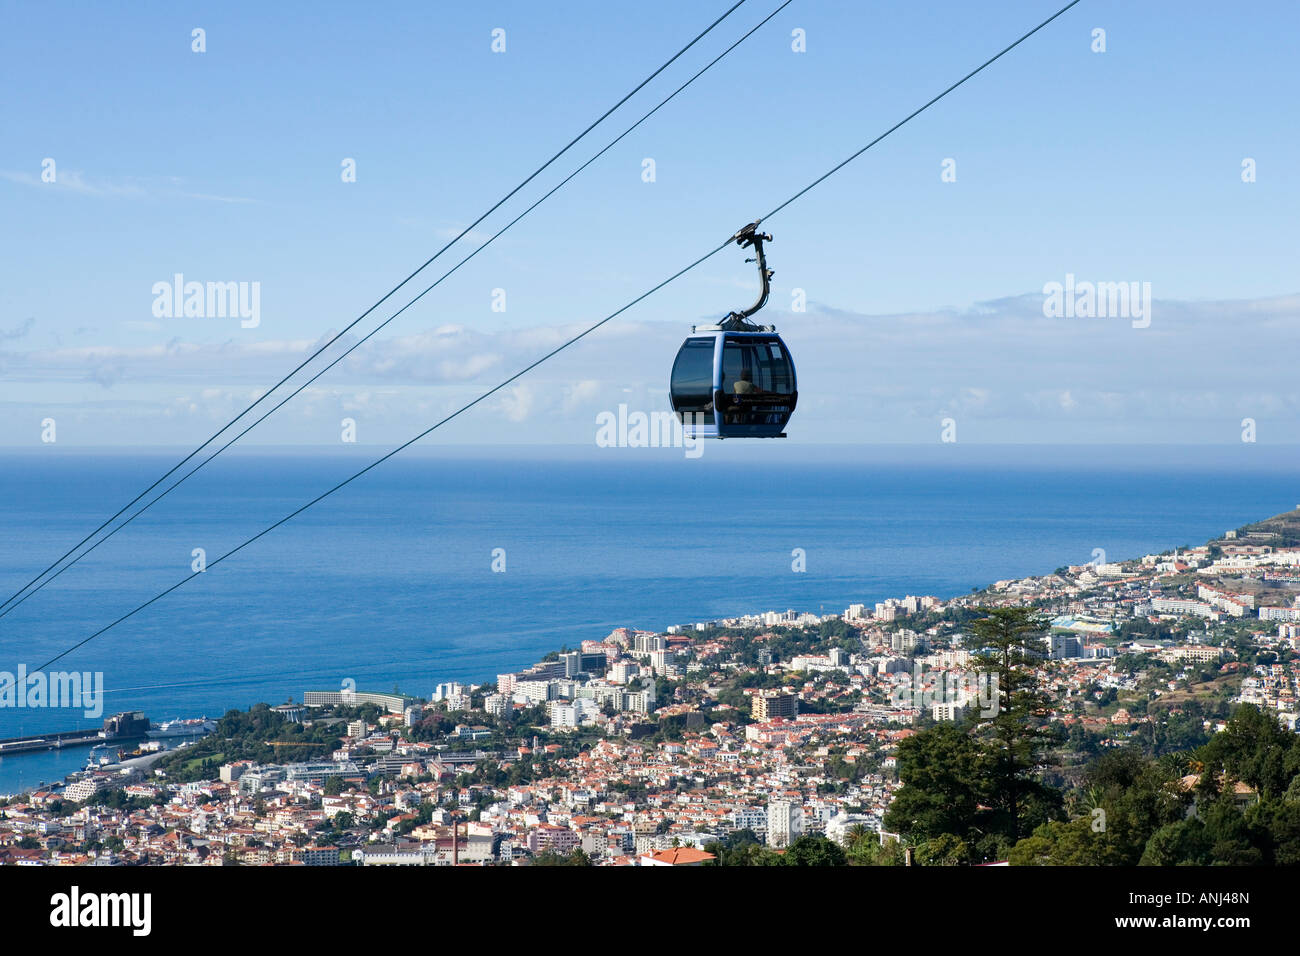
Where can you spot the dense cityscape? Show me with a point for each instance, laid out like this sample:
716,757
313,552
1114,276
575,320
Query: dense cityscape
771,738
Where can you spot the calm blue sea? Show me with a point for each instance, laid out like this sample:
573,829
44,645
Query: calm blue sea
390,582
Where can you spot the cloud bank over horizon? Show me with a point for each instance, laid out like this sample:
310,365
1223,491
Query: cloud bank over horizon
1002,370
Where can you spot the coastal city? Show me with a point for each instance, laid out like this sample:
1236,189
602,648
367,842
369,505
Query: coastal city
770,434
770,733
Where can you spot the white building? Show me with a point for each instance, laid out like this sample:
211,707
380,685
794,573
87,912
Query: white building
534,691
841,825
83,789
641,701
749,818
784,823
1279,614
623,671
447,691
1182,606
648,643
571,714
661,660
945,712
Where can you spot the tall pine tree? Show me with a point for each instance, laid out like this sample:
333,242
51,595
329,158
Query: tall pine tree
1007,643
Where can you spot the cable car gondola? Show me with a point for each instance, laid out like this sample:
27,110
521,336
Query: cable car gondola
736,379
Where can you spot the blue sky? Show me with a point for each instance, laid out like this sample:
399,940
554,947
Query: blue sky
924,296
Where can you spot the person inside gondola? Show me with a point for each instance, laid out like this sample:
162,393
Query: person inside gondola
744,385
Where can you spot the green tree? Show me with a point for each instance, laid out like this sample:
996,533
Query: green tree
939,769
1137,797
944,850
1281,821
741,848
814,850
551,858
1184,842
1255,749
867,850
1067,843
1016,738
1233,840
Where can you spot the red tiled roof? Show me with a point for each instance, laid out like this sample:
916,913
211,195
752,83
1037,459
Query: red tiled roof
681,856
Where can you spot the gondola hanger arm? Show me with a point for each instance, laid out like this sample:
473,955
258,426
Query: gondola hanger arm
750,236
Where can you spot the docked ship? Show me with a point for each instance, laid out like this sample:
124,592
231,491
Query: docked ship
191,727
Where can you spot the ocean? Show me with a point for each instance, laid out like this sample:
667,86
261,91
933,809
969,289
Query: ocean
390,582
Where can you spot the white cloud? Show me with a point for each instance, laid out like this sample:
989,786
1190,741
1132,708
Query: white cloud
518,402
76,181
580,393
1003,370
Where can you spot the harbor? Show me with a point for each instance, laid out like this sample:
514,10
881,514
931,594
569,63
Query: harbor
49,759
131,725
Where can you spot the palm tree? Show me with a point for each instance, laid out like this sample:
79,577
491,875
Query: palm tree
857,833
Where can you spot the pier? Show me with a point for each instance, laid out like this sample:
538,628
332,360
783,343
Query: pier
127,726
37,742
